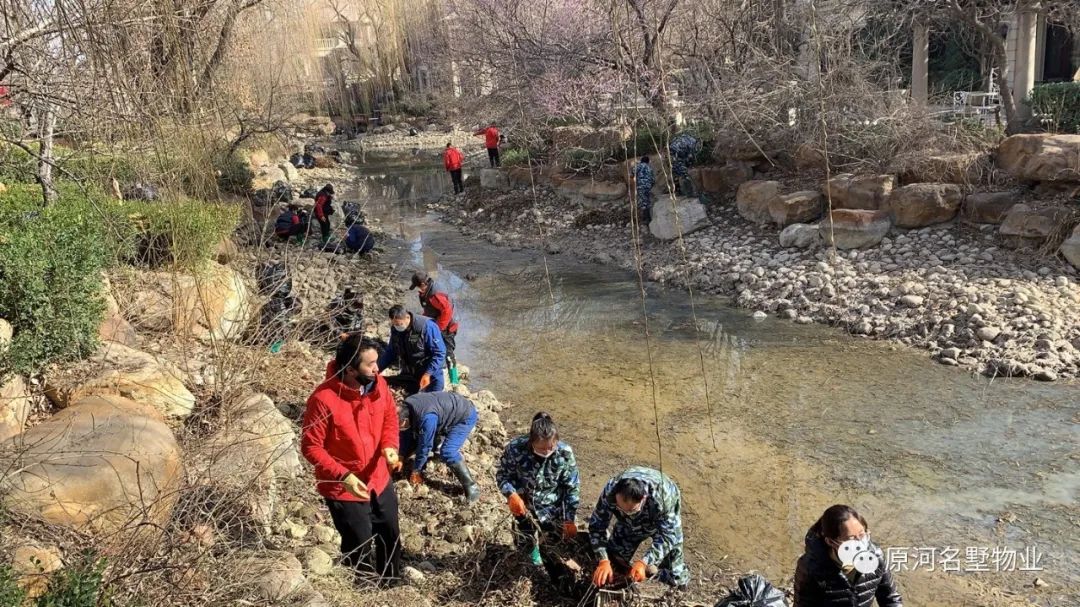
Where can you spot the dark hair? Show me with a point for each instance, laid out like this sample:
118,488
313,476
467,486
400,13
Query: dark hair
397,311
403,412
645,159
631,489
447,144
349,351
542,428
833,519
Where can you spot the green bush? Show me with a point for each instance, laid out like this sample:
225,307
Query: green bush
182,233
79,586
1059,103
514,157
18,166
11,594
50,277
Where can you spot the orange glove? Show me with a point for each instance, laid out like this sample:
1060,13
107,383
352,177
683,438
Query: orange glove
603,574
637,572
425,381
569,530
416,479
517,505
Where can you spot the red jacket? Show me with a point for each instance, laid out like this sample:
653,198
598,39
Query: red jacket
452,159
439,308
345,431
491,137
322,200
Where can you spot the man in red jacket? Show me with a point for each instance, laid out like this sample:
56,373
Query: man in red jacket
452,162
491,142
438,307
324,208
350,435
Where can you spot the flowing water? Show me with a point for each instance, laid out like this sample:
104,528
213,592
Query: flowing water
762,424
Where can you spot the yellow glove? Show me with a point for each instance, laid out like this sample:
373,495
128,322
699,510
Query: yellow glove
392,459
355,486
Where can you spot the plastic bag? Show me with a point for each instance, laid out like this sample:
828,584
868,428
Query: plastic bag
274,280
754,591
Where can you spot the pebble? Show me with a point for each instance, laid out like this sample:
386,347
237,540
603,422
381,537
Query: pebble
912,301
988,333
412,576
759,315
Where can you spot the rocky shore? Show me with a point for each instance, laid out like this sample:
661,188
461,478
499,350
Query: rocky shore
951,288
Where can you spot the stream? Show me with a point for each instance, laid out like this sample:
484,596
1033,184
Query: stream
763,424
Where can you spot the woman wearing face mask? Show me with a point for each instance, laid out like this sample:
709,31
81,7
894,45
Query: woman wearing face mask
824,578
539,477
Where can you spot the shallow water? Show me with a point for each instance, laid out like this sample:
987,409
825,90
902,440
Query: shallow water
763,424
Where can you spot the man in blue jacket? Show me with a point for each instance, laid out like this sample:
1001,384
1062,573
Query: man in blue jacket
359,239
417,346
428,416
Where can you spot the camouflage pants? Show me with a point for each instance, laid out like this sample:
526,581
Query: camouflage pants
644,199
624,543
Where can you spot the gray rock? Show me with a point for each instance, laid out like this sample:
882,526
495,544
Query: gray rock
690,214
912,301
412,576
988,333
316,562
759,315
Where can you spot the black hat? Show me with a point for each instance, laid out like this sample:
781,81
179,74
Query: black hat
419,278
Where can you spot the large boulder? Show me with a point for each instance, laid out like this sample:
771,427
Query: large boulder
14,406
723,178
254,447
604,191
800,236
855,228
521,177
266,177
799,207
273,577
754,198
290,172
1070,249
922,204
117,370
988,207
1028,227
866,192
674,217
494,179
214,303
1041,157
104,464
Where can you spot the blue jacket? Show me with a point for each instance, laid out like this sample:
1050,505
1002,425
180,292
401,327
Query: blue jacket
430,358
360,239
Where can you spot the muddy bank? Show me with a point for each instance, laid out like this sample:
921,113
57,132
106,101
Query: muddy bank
950,289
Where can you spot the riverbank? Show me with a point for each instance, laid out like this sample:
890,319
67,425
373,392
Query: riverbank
949,289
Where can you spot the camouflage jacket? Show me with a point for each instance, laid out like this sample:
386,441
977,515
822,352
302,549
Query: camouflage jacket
684,147
549,486
659,519
644,176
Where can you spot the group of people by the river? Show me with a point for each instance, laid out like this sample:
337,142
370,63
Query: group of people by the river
294,223
358,436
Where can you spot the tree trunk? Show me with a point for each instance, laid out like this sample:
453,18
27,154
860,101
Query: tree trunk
46,129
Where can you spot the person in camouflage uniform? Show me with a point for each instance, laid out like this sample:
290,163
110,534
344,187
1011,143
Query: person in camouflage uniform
539,477
645,179
646,504
683,149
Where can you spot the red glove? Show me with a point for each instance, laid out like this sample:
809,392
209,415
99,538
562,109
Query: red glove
603,574
517,505
416,479
637,572
425,381
569,530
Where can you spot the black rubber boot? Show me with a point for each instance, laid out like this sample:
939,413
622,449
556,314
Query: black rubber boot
472,491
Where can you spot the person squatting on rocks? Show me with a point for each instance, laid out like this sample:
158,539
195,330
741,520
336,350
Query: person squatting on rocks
438,307
644,180
683,149
347,312
324,208
823,578
291,222
539,477
491,142
646,503
350,436
429,416
358,239
416,345
452,161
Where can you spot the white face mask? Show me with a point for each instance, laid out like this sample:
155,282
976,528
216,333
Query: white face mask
399,329
543,455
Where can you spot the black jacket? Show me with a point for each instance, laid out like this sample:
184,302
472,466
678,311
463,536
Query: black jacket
819,581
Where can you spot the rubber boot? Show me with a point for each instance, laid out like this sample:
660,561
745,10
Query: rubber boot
472,491
454,378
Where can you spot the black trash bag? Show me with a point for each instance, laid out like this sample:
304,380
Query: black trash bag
297,160
309,161
140,191
352,210
276,316
261,198
282,192
754,591
273,279
311,192
412,132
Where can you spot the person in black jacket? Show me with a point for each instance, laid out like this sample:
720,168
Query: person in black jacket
822,579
